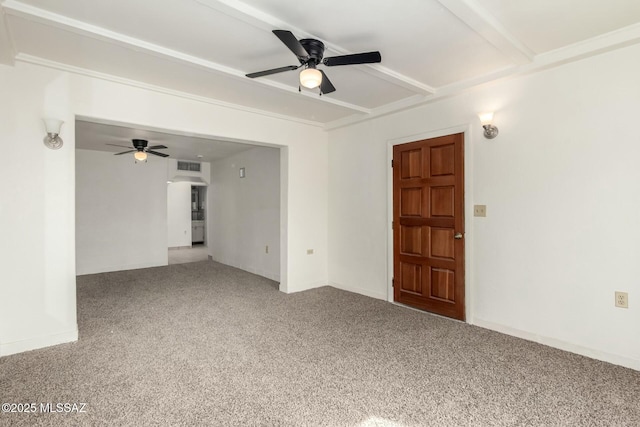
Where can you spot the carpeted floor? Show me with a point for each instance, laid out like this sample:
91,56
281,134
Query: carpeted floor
207,344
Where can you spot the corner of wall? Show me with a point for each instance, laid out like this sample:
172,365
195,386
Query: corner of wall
9,348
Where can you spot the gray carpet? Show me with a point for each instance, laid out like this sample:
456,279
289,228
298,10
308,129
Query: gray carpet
207,344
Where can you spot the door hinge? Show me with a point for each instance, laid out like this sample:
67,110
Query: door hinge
392,225
391,162
393,283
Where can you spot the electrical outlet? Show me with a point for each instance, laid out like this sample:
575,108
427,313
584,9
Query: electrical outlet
480,210
622,300
309,251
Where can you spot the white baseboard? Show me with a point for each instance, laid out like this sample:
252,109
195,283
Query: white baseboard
306,287
361,291
264,273
111,268
7,348
562,345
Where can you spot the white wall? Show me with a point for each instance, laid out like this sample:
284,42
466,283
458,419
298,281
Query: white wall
121,212
305,180
179,214
37,252
37,216
561,187
560,183
244,213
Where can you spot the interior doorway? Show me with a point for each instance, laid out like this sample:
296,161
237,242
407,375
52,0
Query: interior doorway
198,215
187,216
110,187
428,225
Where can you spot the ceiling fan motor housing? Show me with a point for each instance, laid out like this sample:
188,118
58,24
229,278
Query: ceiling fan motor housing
315,48
139,144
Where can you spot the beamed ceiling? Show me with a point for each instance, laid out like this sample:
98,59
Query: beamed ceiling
204,48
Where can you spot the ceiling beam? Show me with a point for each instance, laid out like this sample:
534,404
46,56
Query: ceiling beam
602,43
42,16
261,20
7,50
611,41
21,57
488,27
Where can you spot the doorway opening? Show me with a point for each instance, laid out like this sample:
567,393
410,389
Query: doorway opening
198,214
122,205
187,216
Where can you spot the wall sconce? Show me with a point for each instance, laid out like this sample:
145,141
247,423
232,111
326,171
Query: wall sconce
490,131
53,140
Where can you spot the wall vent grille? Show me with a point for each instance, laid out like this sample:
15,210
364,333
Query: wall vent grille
188,166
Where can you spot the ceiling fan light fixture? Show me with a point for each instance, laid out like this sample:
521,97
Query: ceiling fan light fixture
140,156
310,78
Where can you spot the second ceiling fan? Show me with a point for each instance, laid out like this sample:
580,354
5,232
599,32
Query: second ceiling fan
309,52
141,149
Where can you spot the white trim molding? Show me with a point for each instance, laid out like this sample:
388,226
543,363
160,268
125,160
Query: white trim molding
362,291
8,348
561,345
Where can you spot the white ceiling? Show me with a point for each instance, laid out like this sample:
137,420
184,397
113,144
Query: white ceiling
203,48
92,135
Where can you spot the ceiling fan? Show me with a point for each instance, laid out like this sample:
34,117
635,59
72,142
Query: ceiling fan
309,53
140,148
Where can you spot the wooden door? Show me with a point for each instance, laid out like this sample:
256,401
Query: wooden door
428,225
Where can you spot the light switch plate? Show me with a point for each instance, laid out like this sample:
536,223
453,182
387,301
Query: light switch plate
480,210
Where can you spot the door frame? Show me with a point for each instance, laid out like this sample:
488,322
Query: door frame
468,132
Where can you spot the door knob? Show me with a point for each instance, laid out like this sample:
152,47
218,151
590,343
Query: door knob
457,236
